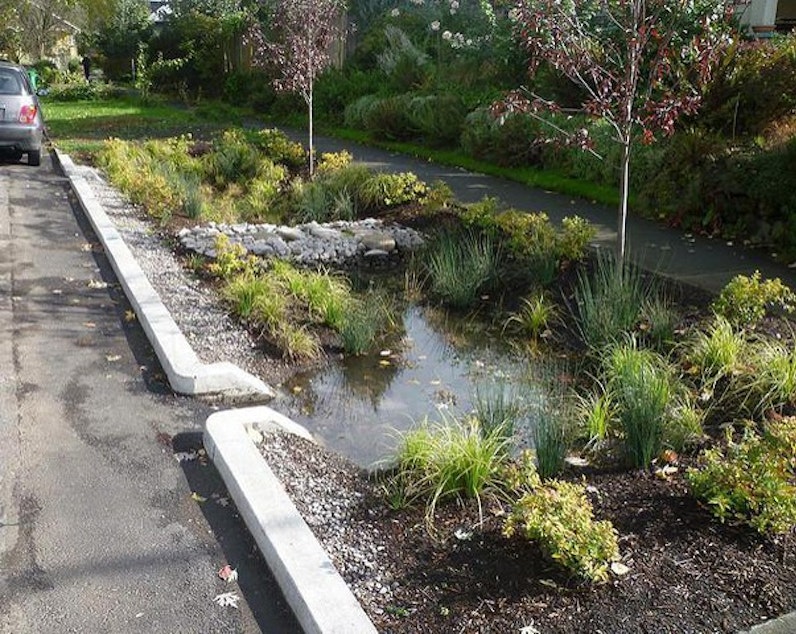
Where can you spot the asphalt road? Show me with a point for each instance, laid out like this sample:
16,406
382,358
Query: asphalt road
98,528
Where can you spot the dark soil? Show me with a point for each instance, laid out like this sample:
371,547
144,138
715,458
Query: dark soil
687,571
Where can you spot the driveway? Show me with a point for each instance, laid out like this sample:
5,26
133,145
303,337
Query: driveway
99,531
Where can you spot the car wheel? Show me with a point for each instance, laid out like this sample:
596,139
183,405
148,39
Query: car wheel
34,158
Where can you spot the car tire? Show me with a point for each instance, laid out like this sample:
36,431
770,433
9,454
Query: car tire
34,158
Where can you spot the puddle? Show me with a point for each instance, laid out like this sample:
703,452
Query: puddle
356,406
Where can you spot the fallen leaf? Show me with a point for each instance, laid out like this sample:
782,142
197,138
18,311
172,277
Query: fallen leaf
385,353
57,291
619,569
129,315
185,456
463,534
384,363
112,357
97,284
222,501
85,247
227,599
529,629
198,498
89,324
228,574
296,389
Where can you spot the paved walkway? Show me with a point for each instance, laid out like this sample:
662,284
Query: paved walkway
708,264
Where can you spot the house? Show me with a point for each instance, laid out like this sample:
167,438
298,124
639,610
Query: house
766,17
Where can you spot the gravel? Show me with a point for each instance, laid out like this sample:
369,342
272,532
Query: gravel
327,489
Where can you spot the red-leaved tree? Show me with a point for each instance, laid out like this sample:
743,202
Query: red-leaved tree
640,64
295,39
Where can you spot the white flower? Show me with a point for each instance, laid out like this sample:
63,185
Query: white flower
453,11
454,4
419,3
514,15
446,35
435,25
395,13
469,42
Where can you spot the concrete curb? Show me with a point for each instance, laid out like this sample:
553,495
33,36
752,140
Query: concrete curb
185,372
317,594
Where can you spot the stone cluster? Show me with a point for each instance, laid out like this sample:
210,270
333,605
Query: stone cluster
339,244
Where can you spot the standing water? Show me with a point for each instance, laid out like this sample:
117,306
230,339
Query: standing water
358,405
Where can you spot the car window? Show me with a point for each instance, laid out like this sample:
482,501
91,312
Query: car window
9,83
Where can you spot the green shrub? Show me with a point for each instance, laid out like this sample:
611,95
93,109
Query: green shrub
559,517
574,238
244,291
389,119
438,119
357,112
752,480
516,140
232,160
745,300
279,148
230,259
388,190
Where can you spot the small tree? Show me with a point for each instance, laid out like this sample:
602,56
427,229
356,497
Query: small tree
641,64
298,45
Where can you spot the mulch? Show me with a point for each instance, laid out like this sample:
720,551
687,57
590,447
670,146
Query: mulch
688,572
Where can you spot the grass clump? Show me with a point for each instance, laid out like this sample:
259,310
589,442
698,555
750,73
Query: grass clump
533,317
360,327
752,480
773,379
608,303
452,458
498,407
560,519
461,266
643,389
719,351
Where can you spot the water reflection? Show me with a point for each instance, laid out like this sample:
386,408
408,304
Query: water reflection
356,405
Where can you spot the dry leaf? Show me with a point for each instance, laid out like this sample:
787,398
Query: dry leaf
129,315
112,357
197,498
619,569
97,284
89,324
227,599
185,456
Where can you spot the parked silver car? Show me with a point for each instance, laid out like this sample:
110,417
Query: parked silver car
21,122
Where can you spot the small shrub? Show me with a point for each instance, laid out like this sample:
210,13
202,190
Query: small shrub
549,434
388,190
752,480
333,161
389,119
745,300
230,259
312,202
232,160
559,517
574,238
279,148
683,427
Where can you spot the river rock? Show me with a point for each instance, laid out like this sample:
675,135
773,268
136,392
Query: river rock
378,241
290,234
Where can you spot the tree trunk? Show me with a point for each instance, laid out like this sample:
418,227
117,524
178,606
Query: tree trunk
624,189
312,152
